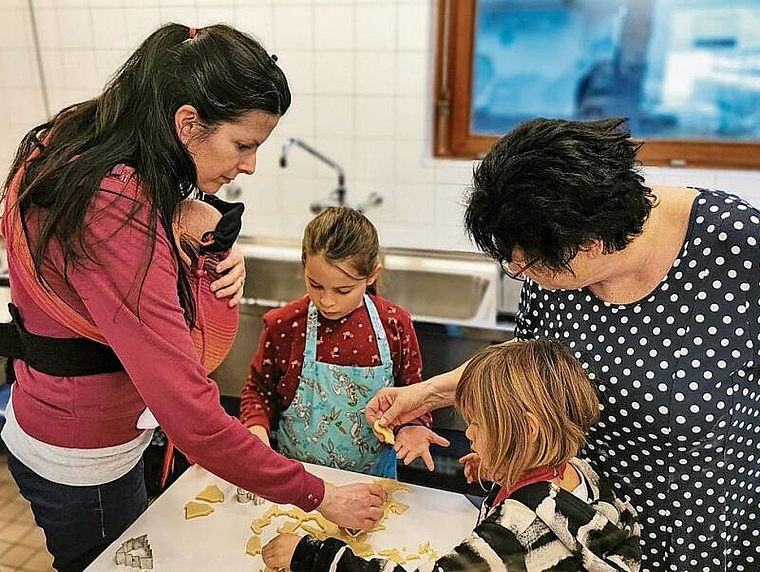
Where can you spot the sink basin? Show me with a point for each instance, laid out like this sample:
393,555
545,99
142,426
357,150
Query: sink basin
432,286
273,282
434,294
438,289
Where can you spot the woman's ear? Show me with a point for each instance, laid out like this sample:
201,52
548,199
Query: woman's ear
593,248
375,273
186,123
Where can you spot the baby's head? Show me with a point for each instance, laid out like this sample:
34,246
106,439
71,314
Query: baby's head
341,257
529,404
192,220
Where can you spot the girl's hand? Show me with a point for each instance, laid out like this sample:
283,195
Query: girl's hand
233,279
278,553
472,470
414,441
261,433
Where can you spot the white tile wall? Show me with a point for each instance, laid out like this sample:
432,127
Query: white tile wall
361,72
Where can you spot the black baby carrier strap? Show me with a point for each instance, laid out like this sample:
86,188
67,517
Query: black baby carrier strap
61,357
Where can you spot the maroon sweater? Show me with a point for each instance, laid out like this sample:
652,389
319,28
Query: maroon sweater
276,366
144,324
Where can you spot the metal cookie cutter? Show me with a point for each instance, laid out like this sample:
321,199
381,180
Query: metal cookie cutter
143,560
244,496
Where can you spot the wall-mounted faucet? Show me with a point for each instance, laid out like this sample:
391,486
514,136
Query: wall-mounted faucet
338,196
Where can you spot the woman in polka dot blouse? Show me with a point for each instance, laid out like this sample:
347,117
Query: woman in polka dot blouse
657,291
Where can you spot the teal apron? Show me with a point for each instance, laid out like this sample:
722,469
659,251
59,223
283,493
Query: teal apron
325,423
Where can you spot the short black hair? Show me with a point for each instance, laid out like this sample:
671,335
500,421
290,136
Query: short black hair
550,185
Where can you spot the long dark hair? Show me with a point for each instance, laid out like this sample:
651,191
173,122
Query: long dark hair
221,71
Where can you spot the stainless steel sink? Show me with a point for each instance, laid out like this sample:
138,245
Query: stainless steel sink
273,282
435,287
431,286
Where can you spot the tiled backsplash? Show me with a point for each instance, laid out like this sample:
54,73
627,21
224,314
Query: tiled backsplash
361,72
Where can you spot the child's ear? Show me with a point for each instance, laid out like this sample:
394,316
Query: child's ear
375,273
533,426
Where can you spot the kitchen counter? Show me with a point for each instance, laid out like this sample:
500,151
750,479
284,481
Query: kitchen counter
218,541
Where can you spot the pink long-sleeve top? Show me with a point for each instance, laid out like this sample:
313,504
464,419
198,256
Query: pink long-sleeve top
129,291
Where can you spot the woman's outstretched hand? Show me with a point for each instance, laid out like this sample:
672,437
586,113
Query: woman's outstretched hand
394,406
358,505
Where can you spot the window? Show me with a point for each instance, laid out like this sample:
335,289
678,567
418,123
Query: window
686,73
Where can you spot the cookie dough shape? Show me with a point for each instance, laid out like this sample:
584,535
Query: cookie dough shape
386,433
211,493
253,546
195,509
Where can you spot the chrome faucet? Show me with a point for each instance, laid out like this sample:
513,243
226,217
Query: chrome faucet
336,197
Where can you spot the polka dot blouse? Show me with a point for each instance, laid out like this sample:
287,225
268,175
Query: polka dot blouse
678,374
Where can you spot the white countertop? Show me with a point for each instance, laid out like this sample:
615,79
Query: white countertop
218,541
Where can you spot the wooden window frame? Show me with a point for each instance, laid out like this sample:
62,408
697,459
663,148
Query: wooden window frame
453,101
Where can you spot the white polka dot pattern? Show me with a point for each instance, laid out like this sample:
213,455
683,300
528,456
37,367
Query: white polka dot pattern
678,375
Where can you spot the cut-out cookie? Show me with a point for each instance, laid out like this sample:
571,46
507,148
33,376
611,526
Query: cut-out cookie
253,546
211,493
386,433
196,509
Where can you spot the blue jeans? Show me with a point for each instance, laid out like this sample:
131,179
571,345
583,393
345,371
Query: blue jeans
80,522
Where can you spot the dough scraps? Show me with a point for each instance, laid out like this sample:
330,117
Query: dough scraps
319,527
253,546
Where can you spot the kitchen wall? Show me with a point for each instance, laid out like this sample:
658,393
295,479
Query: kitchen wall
361,72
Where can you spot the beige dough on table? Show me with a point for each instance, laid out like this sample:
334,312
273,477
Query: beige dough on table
211,493
195,509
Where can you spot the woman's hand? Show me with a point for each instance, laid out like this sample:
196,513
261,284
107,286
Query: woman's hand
394,406
231,283
414,441
278,553
357,505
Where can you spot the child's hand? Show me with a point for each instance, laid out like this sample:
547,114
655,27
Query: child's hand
262,433
414,441
278,553
471,462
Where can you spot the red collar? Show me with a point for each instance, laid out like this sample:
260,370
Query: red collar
534,476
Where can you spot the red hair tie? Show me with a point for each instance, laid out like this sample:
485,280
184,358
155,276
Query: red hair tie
193,31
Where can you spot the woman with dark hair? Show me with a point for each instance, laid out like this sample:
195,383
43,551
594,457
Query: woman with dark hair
108,301
657,291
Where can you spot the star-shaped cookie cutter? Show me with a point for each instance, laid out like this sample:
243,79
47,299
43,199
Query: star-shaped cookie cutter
125,557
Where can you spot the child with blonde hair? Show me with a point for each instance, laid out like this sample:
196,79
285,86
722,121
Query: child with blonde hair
323,356
528,406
